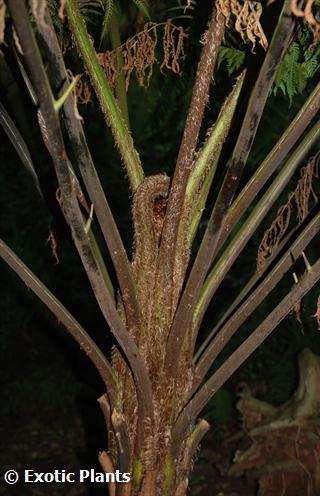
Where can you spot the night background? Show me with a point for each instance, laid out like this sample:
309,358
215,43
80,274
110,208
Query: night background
49,415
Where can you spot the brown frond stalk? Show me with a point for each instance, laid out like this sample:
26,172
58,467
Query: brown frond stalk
67,320
92,182
72,212
225,331
39,8
271,162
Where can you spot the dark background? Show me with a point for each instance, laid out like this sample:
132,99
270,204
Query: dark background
49,416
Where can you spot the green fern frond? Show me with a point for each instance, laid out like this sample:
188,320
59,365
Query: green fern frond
91,9
144,6
109,8
301,63
289,74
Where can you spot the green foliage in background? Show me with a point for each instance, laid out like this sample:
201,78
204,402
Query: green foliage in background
301,63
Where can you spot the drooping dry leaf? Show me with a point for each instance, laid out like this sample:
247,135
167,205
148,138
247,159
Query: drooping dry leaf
307,13
246,17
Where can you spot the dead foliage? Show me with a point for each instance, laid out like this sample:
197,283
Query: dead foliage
246,18
307,13
137,54
299,201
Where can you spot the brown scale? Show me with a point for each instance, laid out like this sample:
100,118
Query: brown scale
159,212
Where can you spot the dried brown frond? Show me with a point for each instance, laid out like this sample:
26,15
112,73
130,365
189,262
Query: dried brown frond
2,20
307,13
138,54
246,18
299,201
172,47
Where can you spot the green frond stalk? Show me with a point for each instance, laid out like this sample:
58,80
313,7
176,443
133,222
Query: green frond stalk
109,11
99,258
108,104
